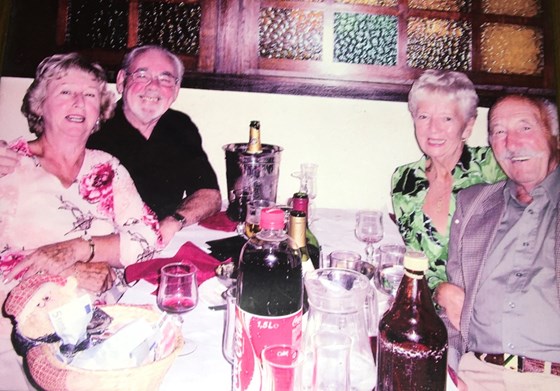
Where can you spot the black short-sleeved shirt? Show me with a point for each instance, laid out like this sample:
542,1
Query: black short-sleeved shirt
164,167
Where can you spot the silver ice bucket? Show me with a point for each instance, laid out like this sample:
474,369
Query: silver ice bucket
250,176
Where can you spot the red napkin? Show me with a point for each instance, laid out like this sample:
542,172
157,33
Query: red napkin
188,253
219,222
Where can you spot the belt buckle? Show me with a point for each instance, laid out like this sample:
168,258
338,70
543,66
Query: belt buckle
513,362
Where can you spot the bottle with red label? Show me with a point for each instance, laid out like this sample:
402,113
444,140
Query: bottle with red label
300,202
269,298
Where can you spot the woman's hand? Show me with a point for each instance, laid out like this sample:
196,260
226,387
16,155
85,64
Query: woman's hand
451,298
52,258
96,277
168,228
8,159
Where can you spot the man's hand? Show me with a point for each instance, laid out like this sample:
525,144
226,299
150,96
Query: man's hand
8,159
451,298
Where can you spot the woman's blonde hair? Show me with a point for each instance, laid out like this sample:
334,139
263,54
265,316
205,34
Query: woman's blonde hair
54,67
456,85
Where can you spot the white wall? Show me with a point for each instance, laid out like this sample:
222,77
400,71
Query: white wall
356,143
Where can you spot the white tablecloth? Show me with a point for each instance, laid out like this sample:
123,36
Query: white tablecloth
206,368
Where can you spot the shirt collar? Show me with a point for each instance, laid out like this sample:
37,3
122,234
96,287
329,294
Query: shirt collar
549,187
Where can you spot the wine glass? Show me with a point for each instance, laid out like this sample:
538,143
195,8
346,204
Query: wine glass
390,270
369,229
178,294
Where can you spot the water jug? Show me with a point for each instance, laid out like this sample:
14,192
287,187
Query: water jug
336,304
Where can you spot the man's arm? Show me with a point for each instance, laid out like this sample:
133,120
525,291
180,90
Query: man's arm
196,207
456,288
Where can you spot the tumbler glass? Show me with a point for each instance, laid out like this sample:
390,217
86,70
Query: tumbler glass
281,368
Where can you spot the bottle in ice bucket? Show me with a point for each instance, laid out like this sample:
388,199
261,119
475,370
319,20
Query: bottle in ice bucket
269,298
300,202
254,145
412,339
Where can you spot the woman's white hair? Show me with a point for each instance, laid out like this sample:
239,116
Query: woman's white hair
456,85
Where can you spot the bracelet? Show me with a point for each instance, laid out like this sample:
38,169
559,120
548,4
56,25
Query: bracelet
91,249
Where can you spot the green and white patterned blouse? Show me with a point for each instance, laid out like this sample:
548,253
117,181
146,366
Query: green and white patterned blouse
409,186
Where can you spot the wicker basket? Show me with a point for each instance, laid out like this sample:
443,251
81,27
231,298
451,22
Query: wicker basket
52,375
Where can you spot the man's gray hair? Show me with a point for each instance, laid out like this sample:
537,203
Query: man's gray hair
454,84
139,50
548,109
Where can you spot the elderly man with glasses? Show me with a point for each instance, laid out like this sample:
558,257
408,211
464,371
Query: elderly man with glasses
159,146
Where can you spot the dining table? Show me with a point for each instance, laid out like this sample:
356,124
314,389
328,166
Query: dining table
206,368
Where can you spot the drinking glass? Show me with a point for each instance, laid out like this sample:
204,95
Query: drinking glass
178,294
229,324
281,368
253,217
369,229
331,367
342,257
390,270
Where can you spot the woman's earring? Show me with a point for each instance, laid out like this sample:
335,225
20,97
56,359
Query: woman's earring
96,126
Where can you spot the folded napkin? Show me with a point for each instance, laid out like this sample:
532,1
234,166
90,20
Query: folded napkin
188,253
219,222
230,247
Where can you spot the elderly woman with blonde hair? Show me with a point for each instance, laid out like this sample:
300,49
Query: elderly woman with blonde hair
67,210
443,105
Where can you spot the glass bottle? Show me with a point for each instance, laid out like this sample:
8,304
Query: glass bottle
297,226
269,297
300,202
254,145
412,339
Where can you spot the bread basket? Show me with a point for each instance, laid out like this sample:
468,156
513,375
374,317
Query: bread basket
53,375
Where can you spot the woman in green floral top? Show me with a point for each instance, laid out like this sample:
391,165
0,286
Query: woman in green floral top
443,106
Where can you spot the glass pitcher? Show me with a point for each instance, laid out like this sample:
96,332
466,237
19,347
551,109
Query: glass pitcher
336,304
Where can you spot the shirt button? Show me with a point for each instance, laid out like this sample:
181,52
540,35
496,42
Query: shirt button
511,346
525,244
511,304
530,211
518,274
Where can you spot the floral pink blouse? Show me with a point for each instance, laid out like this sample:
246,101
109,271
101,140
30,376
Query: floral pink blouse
36,209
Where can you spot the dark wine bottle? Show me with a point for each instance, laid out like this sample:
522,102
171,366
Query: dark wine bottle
254,145
269,297
300,202
412,339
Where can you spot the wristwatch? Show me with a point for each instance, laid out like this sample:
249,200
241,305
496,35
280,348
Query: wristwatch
180,218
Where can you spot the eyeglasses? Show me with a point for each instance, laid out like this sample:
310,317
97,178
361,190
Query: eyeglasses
145,77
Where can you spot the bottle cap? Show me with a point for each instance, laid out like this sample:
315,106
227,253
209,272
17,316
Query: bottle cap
272,218
300,204
415,261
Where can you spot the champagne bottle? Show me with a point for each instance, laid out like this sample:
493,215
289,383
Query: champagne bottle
412,339
297,228
254,146
269,297
300,202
